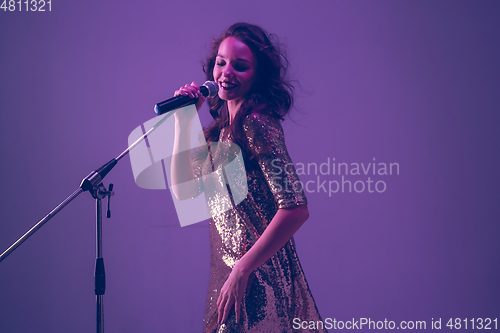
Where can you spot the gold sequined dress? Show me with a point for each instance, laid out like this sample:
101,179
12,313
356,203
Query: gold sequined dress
277,292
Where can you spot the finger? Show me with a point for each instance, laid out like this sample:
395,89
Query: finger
220,309
189,90
189,93
220,312
181,91
227,308
220,298
197,89
195,85
237,310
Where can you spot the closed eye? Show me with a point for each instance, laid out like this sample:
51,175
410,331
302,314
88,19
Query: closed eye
241,68
237,67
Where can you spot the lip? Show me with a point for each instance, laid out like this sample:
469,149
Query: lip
227,85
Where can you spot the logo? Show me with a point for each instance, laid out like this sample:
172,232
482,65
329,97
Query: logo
219,189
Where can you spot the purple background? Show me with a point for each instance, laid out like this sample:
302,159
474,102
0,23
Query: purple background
413,82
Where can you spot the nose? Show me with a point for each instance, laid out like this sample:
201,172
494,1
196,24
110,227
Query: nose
228,71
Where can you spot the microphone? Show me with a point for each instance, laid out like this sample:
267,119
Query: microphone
208,89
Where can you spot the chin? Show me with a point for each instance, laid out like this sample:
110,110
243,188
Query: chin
226,97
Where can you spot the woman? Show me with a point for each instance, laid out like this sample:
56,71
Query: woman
256,281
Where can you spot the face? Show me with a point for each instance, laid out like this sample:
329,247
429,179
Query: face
234,69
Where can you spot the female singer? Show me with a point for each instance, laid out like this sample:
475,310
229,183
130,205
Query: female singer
256,281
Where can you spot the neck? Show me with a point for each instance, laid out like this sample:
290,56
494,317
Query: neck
233,106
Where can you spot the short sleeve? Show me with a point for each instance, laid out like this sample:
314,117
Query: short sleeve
267,143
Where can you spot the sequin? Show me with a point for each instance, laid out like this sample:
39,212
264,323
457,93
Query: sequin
277,292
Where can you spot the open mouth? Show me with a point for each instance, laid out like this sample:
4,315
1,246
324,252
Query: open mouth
227,85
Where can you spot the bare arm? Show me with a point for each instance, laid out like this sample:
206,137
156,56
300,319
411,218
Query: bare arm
282,227
181,171
181,168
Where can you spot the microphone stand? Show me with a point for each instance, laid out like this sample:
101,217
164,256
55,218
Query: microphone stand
100,193
93,184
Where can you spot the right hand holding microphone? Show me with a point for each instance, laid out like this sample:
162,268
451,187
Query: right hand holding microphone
193,91
189,94
186,95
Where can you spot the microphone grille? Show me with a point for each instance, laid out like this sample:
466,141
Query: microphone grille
213,88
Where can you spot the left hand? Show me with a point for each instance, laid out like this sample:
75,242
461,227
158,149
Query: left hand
232,294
